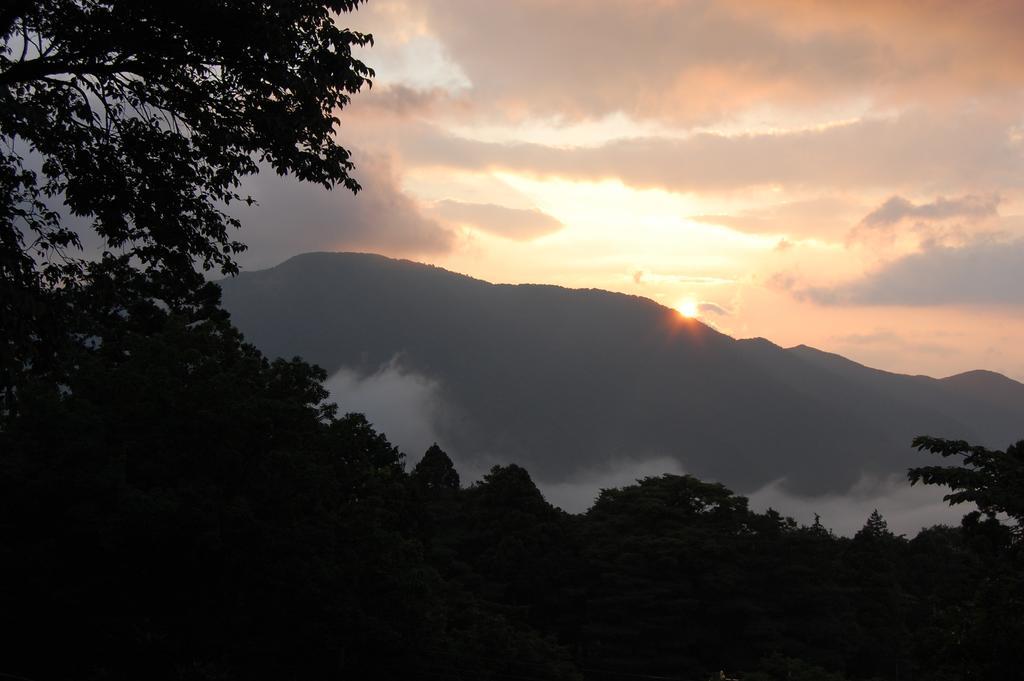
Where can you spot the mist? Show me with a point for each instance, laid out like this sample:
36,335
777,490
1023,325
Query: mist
407,407
399,403
579,494
906,509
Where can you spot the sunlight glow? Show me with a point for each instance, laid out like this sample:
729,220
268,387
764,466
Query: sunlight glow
688,308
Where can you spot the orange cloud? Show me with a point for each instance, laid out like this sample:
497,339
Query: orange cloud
970,152
512,223
692,62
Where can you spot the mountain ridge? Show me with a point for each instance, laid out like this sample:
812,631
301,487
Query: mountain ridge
564,380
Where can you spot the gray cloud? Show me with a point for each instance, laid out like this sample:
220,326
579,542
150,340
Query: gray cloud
898,208
712,308
985,272
512,223
943,221
405,101
293,217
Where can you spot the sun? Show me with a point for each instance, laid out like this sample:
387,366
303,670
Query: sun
688,308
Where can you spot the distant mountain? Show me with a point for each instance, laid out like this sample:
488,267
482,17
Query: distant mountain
564,380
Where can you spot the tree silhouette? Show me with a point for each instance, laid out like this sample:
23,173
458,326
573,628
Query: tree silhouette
208,518
435,470
991,479
211,518
875,527
140,118
990,629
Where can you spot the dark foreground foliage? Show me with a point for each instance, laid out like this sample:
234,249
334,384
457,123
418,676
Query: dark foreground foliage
183,508
128,125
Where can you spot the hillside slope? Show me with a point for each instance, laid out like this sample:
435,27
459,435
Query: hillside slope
564,380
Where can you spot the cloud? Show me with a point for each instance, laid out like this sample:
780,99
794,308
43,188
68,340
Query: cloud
648,277
984,272
943,221
906,509
689,62
512,223
913,150
743,223
291,217
891,340
897,208
400,100
712,308
401,404
405,406
671,60
578,494
808,217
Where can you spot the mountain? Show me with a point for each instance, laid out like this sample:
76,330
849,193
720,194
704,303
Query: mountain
565,381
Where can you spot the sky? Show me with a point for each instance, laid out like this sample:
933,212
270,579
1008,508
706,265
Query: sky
846,175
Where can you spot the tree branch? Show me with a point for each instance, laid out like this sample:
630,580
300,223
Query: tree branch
36,69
